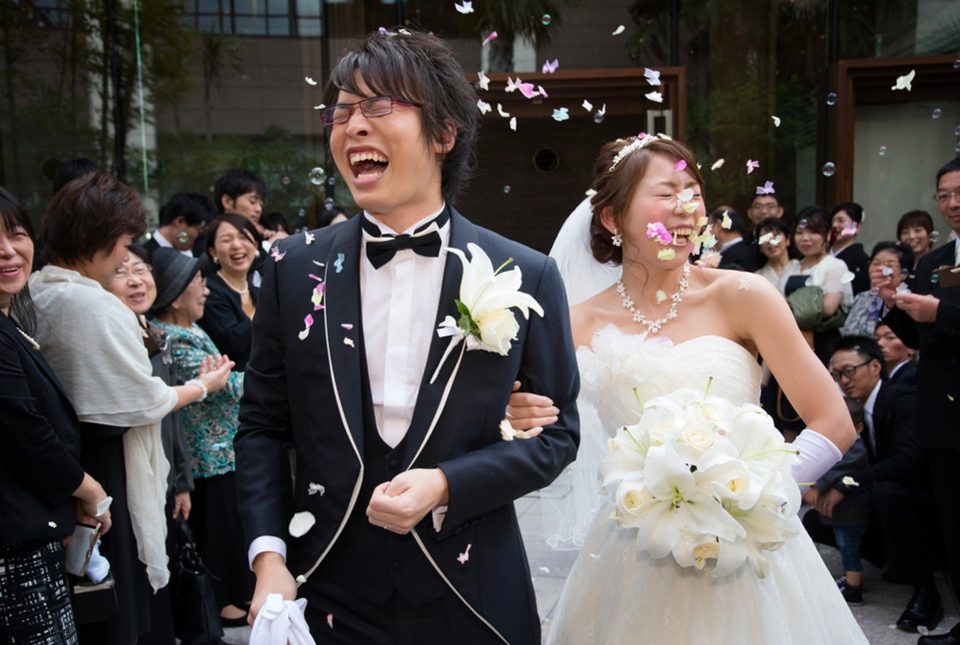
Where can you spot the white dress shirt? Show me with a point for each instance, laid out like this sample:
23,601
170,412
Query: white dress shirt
165,243
399,303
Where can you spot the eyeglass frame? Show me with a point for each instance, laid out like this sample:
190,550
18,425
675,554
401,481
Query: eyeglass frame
847,371
328,119
944,196
124,273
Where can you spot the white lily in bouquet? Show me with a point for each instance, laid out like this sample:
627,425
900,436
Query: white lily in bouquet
703,480
487,296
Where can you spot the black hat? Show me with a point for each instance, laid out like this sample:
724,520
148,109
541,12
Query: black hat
174,271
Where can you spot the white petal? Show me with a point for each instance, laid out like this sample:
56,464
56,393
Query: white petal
301,523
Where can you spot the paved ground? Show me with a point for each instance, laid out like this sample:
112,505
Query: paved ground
883,601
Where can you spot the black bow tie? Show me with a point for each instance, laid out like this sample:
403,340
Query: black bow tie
425,241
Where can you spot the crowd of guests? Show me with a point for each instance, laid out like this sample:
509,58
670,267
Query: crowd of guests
121,369
885,325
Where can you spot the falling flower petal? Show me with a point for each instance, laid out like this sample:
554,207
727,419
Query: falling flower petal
656,97
483,81
904,82
513,123
718,164
661,296
602,110
405,32
308,237
727,222
301,579
766,189
483,106
590,192
464,7
348,342
561,114
752,165
319,107
652,76
587,105
347,326
657,231
680,166
766,237
301,523
847,480
776,121
666,254
307,324
619,30
491,36
463,557
501,112
309,81
542,91
847,278
316,489
549,67
338,264
330,620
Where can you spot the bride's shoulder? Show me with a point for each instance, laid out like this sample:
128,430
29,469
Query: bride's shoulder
737,286
587,317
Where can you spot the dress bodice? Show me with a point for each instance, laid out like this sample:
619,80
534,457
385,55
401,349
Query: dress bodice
620,371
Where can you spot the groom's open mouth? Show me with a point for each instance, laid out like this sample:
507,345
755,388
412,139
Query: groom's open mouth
368,165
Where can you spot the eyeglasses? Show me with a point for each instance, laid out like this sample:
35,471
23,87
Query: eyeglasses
847,371
139,270
944,196
372,107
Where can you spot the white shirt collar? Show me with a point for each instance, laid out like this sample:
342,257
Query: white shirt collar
161,240
872,399
898,367
727,245
387,230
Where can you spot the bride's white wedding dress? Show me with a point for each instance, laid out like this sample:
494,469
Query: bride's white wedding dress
618,595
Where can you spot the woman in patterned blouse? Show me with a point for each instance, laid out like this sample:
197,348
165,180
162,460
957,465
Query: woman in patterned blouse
209,427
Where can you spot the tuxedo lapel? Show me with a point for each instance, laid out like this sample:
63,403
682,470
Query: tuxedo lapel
430,397
343,322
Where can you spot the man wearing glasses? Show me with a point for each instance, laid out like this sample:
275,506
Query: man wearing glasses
401,526
929,320
899,499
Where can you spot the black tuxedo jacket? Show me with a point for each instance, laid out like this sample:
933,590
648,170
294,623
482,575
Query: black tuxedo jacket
309,392
906,375
740,256
898,455
41,444
938,372
858,262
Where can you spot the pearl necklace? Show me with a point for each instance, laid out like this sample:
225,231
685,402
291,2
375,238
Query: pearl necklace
653,326
242,292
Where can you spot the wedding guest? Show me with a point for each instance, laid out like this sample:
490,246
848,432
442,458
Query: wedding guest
729,228
95,345
209,427
763,206
845,222
773,241
182,221
43,487
850,516
915,229
899,359
928,320
889,264
242,192
232,245
134,285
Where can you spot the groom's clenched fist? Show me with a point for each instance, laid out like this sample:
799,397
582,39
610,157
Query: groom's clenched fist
399,504
272,577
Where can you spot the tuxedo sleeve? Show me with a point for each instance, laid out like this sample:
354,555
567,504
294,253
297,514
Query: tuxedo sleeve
947,323
495,475
264,433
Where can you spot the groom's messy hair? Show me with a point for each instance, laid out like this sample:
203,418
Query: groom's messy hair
615,187
419,68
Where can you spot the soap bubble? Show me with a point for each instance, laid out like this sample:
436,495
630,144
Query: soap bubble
936,113
832,99
598,118
882,151
546,20
506,189
317,176
828,169
285,180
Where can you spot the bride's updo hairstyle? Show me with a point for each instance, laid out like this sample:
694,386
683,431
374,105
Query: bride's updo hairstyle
615,179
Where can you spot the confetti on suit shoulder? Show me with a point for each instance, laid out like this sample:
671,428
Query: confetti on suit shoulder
463,557
308,237
483,106
656,97
561,114
483,81
464,7
652,76
338,264
718,164
905,82
549,67
847,480
347,326
348,342
309,81
587,105
752,165
491,36
307,324
619,30
330,620
316,489
276,254
301,523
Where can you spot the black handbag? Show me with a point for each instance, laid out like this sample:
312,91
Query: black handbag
196,614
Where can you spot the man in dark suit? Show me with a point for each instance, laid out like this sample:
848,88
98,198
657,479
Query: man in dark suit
729,227
899,359
181,223
400,527
900,511
929,320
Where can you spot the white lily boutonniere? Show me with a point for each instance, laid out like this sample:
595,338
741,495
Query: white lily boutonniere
487,296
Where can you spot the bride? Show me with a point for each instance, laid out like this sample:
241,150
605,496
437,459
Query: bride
664,329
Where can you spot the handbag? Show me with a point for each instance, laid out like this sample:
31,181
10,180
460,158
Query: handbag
196,612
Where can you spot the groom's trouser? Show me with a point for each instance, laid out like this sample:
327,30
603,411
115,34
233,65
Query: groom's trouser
336,615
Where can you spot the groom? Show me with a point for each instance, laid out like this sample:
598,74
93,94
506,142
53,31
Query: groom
400,526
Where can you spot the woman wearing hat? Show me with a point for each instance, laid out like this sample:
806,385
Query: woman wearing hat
209,428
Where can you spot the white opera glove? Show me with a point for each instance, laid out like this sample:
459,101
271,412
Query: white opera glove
281,622
817,455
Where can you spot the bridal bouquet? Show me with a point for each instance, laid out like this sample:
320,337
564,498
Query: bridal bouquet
703,480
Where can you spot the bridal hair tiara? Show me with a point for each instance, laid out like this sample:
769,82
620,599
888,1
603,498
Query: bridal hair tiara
642,140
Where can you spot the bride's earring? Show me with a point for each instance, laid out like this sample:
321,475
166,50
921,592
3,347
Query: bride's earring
617,239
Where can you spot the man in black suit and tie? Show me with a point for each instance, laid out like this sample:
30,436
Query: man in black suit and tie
729,227
400,527
182,221
900,360
929,320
